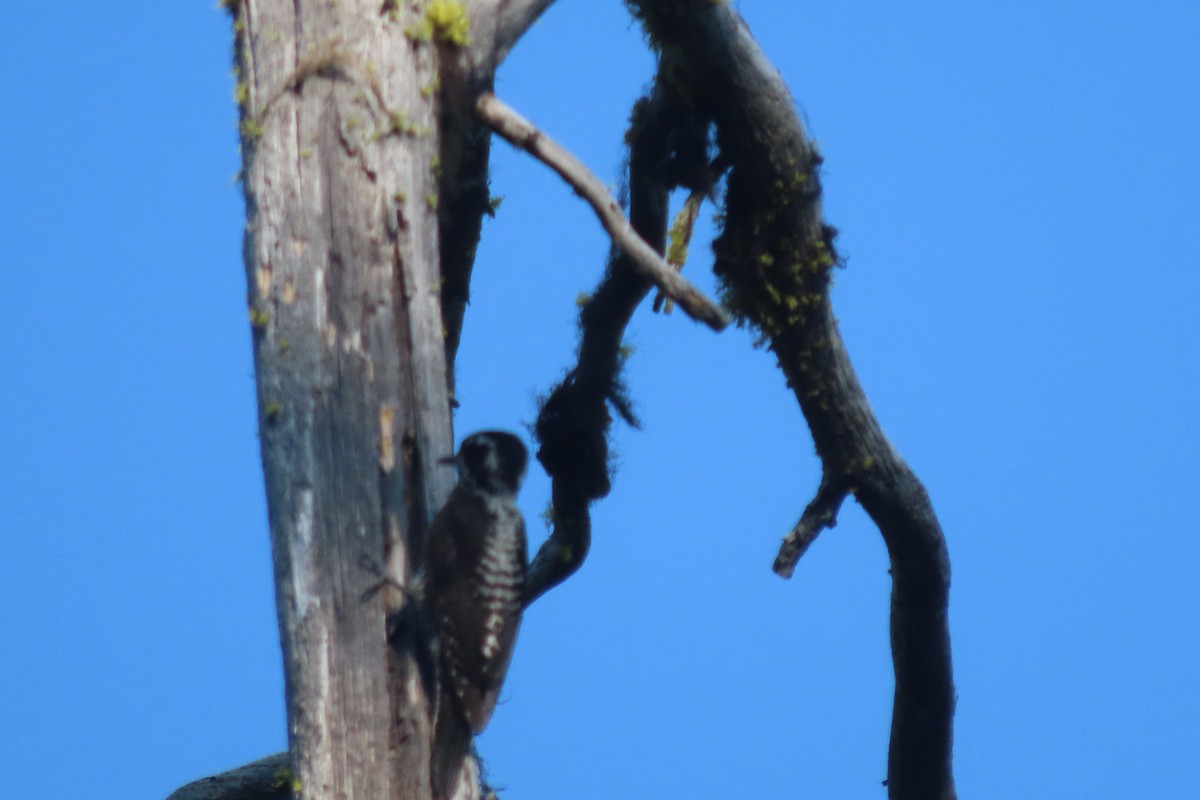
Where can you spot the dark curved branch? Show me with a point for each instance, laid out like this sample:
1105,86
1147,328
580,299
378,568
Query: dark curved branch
572,427
496,26
268,778
641,257
820,514
774,258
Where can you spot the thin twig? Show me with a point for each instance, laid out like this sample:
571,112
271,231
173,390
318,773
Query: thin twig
680,240
820,514
521,133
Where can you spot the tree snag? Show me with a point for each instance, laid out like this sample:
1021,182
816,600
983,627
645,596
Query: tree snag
365,135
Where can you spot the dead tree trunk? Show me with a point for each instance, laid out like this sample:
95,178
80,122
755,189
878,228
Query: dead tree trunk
339,131
365,182
365,130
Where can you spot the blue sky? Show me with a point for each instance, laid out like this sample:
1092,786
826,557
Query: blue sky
1016,189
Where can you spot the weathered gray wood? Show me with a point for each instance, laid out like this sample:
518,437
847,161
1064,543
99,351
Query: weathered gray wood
341,124
339,134
347,108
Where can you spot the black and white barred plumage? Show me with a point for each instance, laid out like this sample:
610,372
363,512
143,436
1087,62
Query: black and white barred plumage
476,574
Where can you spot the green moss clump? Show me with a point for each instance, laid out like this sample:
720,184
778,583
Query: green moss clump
444,21
251,129
283,776
679,237
450,21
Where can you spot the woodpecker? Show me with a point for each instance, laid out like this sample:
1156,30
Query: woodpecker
476,562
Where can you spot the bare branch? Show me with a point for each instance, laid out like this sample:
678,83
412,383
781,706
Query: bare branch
573,423
496,27
521,133
268,778
821,513
514,18
680,239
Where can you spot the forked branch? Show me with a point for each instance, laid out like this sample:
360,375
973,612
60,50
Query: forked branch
573,425
774,257
820,514
521,133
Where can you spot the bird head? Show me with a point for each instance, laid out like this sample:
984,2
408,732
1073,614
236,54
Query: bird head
494,461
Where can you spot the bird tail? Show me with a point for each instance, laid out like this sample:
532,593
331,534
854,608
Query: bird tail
454,769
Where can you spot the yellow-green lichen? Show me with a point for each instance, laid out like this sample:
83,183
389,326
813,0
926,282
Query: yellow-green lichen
258,317
450,21
444,21
283,776
251,129
398,123
677,250
679,237
420,31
